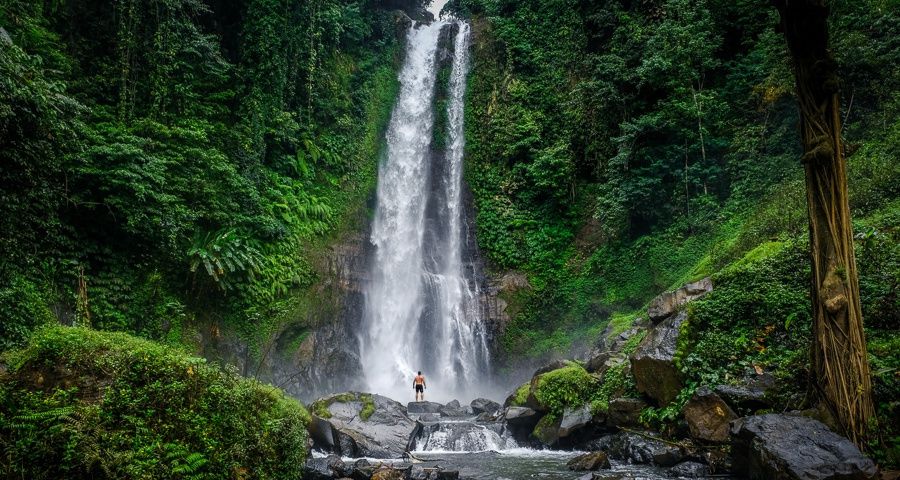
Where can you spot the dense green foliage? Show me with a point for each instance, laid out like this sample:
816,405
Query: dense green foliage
77,403
618,149
191,157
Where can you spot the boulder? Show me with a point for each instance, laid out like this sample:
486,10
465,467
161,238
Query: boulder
574,419
483,405
689,470
453,409
708,416
668,303
521,416
750,395
589,461
597,363
653,362
625,412
418,408
781,447
384,434
640,449
547,430
323,468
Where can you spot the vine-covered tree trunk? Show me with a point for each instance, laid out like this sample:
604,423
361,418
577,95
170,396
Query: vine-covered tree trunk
840,368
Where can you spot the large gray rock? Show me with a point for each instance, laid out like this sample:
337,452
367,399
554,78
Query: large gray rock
668,303
640,449
782,447
653,363
521,416
708,416
384,434
453,409
483,405
574,419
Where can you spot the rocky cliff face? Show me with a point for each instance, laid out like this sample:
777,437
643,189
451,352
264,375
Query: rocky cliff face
315,351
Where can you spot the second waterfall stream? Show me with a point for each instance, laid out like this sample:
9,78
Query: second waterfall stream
422,309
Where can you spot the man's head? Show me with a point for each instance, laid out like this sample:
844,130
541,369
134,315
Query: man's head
420,373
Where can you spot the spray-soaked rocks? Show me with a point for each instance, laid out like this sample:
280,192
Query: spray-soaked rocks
360,425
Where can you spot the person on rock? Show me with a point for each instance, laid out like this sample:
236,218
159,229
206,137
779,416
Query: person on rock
419,387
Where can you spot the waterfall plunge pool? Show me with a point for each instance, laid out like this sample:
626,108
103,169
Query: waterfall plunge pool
521,464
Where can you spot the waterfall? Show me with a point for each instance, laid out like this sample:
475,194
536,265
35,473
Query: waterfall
421,302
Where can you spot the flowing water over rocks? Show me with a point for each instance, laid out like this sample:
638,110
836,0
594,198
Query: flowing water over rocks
422,309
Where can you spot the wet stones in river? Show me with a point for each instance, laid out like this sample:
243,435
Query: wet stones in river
781,447
589,461
324,468
689,470
639,449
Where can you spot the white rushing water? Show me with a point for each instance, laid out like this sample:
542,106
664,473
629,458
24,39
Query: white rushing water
422,309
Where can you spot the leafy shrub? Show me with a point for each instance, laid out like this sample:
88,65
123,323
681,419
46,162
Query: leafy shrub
77,403
758,314
22,308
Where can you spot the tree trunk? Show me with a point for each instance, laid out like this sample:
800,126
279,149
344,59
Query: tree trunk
840,368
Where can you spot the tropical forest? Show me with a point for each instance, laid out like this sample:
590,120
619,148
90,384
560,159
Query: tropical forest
450,239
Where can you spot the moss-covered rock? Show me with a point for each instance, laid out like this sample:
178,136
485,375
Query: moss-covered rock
547,430
553,391
76,403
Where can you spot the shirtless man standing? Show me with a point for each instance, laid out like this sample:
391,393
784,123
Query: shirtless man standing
419,387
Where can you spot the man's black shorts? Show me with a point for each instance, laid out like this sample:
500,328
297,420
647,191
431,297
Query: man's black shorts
420,388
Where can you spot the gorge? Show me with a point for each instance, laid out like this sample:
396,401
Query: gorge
231,232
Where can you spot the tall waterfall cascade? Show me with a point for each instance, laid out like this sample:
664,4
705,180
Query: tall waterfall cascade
421,301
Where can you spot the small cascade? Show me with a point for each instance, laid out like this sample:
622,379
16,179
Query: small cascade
461,436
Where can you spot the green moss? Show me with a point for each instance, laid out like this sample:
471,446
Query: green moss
546,428
320,407
78,402
521,395
570,386
368,407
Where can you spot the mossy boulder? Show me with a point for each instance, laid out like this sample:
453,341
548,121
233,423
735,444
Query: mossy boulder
547,430
555,390
358,424
86,404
